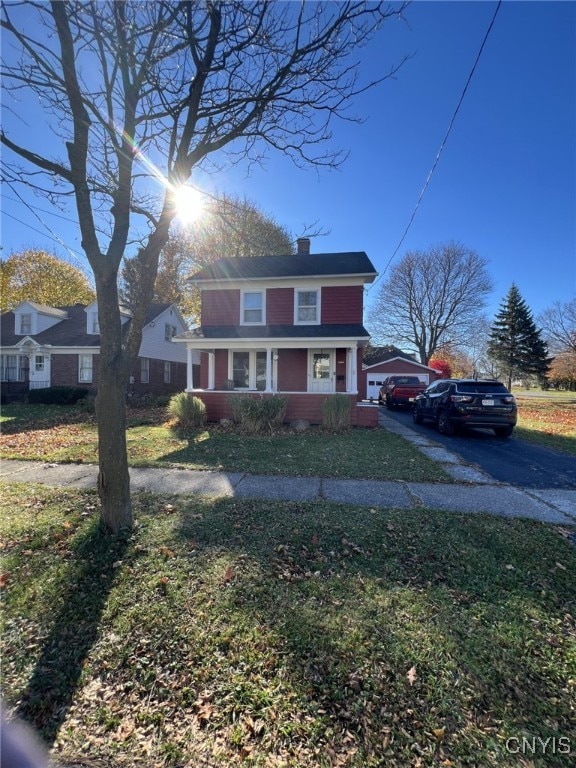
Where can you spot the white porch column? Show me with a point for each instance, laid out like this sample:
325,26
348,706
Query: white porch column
351,370
268,369
211,370
189,371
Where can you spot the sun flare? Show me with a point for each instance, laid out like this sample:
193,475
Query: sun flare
189,204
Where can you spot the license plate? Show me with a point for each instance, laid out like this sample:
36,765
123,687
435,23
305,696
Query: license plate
487,402
410,399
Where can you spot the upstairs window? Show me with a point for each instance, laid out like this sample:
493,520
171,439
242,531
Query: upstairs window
26,323
252,312
169,331
307,307
95,323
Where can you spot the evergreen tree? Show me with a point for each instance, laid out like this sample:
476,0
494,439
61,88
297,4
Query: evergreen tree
515,343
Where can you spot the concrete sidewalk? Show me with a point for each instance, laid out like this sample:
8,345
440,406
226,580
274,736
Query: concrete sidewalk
479,494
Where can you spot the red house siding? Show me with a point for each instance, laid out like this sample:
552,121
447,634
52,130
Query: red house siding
342,305
221,307
293,370
280,306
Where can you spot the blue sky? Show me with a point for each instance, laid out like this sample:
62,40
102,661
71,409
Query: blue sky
505,185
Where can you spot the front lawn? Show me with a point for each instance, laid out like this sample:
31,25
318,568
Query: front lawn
227,632
357,453
549,420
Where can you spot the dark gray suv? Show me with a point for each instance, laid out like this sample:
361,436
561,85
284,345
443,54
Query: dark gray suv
453,403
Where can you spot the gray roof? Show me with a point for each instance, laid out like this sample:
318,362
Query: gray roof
269,267
224,332
69,332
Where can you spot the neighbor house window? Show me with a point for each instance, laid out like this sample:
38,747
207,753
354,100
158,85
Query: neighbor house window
169,331
95,323
26,323
307,307
85,368
253,308
12,367
144,370
167,371
39,363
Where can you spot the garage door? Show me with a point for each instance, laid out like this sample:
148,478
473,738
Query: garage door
375,381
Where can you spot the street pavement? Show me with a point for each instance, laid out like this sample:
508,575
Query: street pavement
473,492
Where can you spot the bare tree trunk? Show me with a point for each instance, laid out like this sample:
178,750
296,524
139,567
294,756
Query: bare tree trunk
113,477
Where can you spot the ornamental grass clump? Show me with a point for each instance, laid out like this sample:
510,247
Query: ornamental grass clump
187,411
259,414
336,412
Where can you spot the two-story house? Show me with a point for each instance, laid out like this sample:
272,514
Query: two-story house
281,324
43,346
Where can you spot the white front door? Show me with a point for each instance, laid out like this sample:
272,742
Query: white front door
39,370
321,370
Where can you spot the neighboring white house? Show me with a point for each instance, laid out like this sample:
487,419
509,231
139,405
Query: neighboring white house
43,346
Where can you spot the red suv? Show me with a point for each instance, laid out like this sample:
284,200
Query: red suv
453,403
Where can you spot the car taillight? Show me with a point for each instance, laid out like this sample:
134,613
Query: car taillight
461,398
510,399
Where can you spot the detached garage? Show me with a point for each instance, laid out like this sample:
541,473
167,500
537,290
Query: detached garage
396,364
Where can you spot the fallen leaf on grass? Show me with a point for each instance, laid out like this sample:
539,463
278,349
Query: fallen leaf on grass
411,675
229,574
4,578
166,551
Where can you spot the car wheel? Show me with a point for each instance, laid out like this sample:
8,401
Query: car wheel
503,431
444,425
389,403
416,416
380,401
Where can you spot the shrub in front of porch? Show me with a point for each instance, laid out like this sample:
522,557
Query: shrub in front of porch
57,395
259,414
187,411
336,412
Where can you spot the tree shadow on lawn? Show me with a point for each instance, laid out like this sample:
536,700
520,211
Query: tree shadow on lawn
357,599
85,589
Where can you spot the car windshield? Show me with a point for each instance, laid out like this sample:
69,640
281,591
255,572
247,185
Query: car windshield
481,387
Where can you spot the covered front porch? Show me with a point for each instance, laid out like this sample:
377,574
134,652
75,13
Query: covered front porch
275,368
306,373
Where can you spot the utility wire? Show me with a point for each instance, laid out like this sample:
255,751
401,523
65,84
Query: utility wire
53,235
443,144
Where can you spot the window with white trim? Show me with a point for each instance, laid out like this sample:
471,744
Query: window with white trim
13,367
95,323
253,308
307,307
85,368
26,323
167,371
144,370
248,369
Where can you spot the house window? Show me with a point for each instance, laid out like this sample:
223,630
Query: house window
95,323
249,369
85,368
167,371
252,308
12,367
307,307
144,370
169,331
26,323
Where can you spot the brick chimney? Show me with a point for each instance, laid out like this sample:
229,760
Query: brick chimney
303,244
